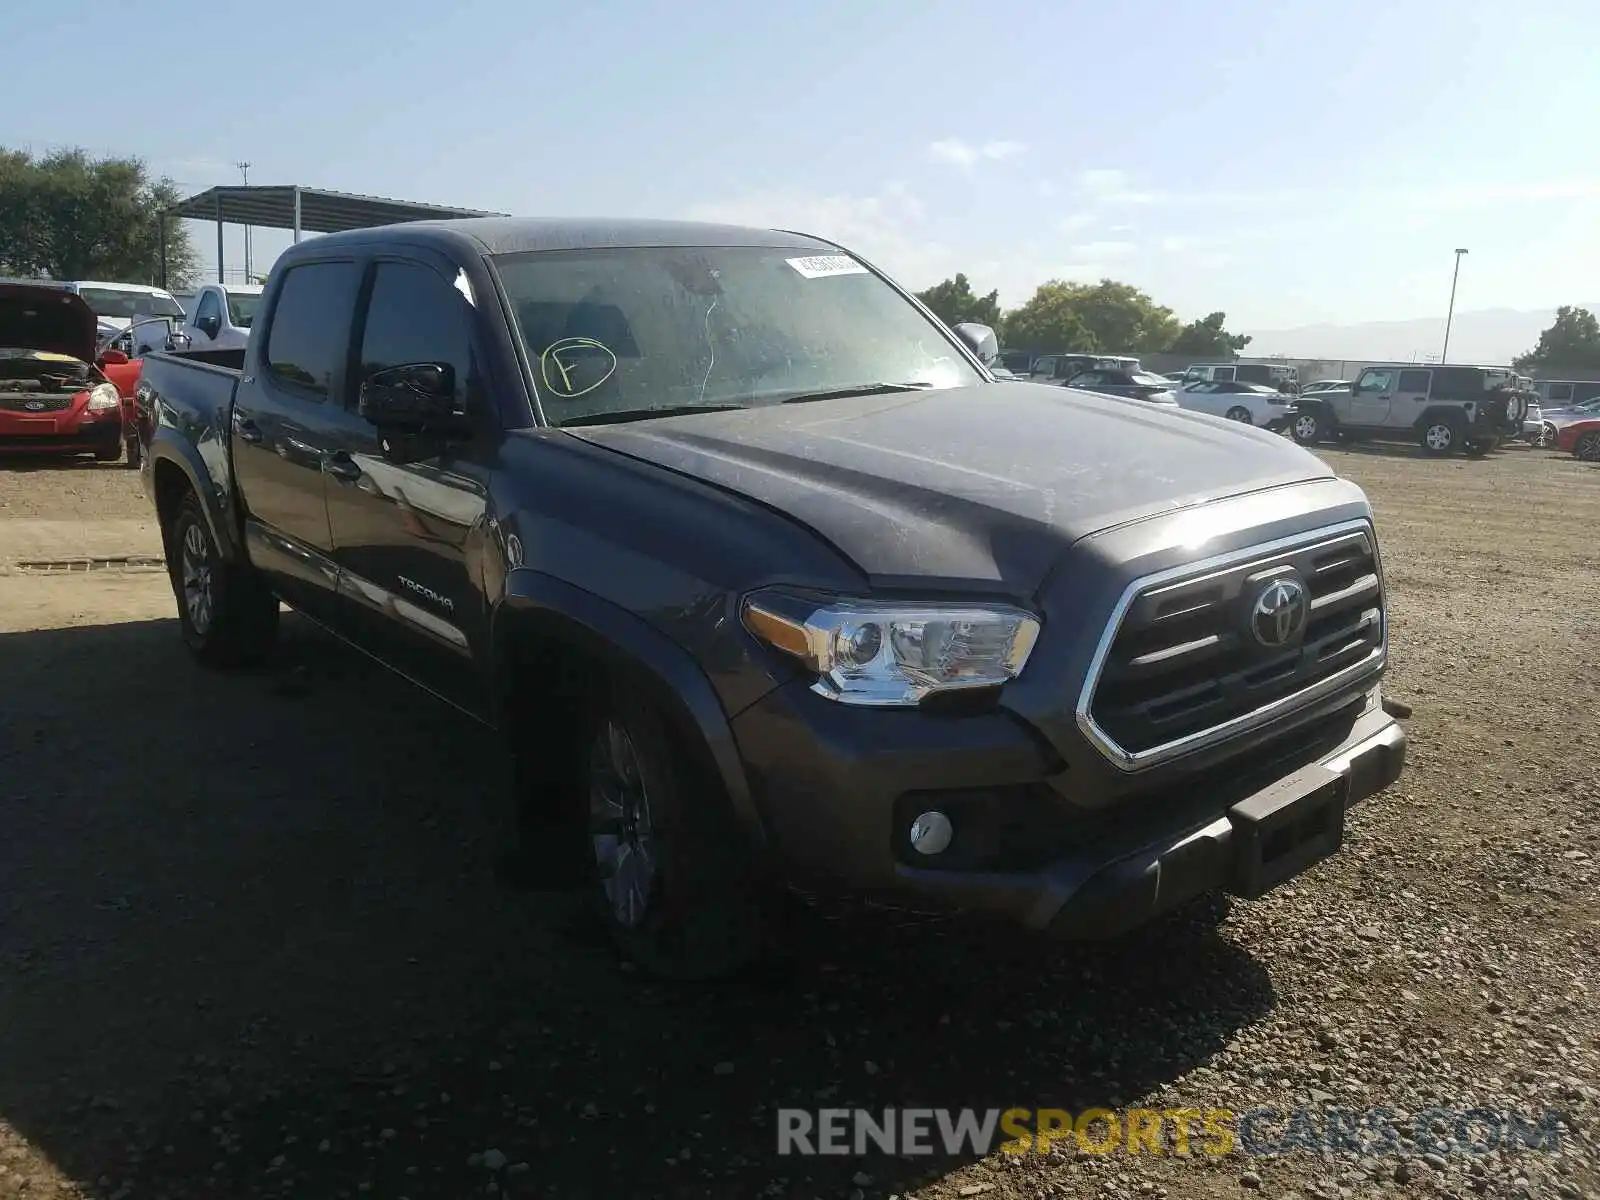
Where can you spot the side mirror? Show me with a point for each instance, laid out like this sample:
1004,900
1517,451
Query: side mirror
178,341
415,398
113,358
980,339
210,326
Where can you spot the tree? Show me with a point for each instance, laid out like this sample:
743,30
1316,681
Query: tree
68,216
1207,338
1123,319
1050,321
954,302
1572,342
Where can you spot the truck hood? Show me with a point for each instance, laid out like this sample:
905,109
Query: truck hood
984,483
48,319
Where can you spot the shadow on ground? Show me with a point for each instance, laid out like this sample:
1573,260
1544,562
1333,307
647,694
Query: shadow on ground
54,462
252,946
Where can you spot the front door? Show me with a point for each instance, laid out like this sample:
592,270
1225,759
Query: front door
1371,397
281,429
404,518
1410,399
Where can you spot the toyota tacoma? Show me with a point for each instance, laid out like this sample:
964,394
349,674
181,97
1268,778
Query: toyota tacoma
768,582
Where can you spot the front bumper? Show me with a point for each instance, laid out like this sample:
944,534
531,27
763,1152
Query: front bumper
71,432
838,788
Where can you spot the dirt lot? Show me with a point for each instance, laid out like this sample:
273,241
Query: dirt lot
250,945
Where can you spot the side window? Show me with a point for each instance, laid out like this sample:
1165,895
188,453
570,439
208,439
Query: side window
414,316
1376,381
1223,373
1583,392
1086,378
1414,381
1560,393
209,309
310,328
1044,366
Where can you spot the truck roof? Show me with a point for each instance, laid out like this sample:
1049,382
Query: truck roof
518,235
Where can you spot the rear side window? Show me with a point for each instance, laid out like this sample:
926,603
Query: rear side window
310,329
1560,393
1414,381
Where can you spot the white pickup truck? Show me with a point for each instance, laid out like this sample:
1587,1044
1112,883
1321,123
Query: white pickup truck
220,315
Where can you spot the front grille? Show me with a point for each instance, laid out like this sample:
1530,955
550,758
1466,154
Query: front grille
1190,661
46,402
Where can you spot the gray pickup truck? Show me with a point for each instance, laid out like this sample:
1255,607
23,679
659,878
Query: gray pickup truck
768,581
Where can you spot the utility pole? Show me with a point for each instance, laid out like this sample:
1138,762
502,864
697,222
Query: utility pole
244,170
1449,316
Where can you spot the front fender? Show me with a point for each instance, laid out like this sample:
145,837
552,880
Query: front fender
532,598
168,452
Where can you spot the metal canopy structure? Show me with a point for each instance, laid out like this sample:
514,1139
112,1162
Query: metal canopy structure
303,209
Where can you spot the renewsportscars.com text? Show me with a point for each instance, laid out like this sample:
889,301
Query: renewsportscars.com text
1180,1131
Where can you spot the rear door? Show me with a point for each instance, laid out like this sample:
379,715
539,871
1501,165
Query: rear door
403,519
1410,398
284,417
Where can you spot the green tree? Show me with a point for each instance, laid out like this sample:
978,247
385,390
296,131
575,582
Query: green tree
1572,341
1050,320
953,302
69,216
1207,338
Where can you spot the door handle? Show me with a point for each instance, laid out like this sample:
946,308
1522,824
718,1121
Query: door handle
247,429
340,465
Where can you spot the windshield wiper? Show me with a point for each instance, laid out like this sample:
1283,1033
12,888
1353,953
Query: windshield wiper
644,414
860,389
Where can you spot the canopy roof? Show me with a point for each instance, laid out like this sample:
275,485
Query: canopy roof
314,210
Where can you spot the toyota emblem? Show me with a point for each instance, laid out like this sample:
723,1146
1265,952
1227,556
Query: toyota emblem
1280,611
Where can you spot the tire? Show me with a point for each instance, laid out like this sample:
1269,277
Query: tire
672,883
228,616
1239,413
1587,448
135,454
1308,428
1441,438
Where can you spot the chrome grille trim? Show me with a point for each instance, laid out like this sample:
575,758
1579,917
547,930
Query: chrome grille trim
1369,665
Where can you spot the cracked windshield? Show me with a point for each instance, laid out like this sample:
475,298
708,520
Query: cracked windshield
638,601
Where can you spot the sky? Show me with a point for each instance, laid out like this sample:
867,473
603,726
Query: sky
1287,163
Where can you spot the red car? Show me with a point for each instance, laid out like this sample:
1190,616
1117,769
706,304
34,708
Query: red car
57,395
1582,439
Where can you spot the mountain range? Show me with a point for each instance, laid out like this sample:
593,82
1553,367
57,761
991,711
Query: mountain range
1490,335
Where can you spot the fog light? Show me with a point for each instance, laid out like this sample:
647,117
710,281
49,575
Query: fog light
931,833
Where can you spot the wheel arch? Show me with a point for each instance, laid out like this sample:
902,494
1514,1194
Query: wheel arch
1451,414
175,467
539,614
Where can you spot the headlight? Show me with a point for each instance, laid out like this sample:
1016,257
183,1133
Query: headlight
104,396
892,654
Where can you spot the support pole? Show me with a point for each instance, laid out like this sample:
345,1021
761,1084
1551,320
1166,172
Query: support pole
297,214
220,278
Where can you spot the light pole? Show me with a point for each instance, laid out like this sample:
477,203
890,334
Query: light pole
244,170
1450,315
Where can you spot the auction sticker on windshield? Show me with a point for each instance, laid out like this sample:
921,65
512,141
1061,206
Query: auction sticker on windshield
820,266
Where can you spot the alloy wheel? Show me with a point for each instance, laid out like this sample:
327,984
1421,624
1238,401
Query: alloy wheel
1588,447
198,576
621,828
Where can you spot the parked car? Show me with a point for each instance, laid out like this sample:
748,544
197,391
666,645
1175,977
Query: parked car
221,315
603,485
1554,420
1581,439
118,305
1444,409
1246,403
1326,385
1135,385
1564,393
57,392
1058,368
1277,376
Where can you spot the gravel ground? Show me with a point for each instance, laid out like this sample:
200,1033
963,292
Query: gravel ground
250,945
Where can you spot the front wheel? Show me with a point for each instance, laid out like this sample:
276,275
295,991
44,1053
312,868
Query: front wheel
228,617
1239,413
1588,448
1308,428
673,880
